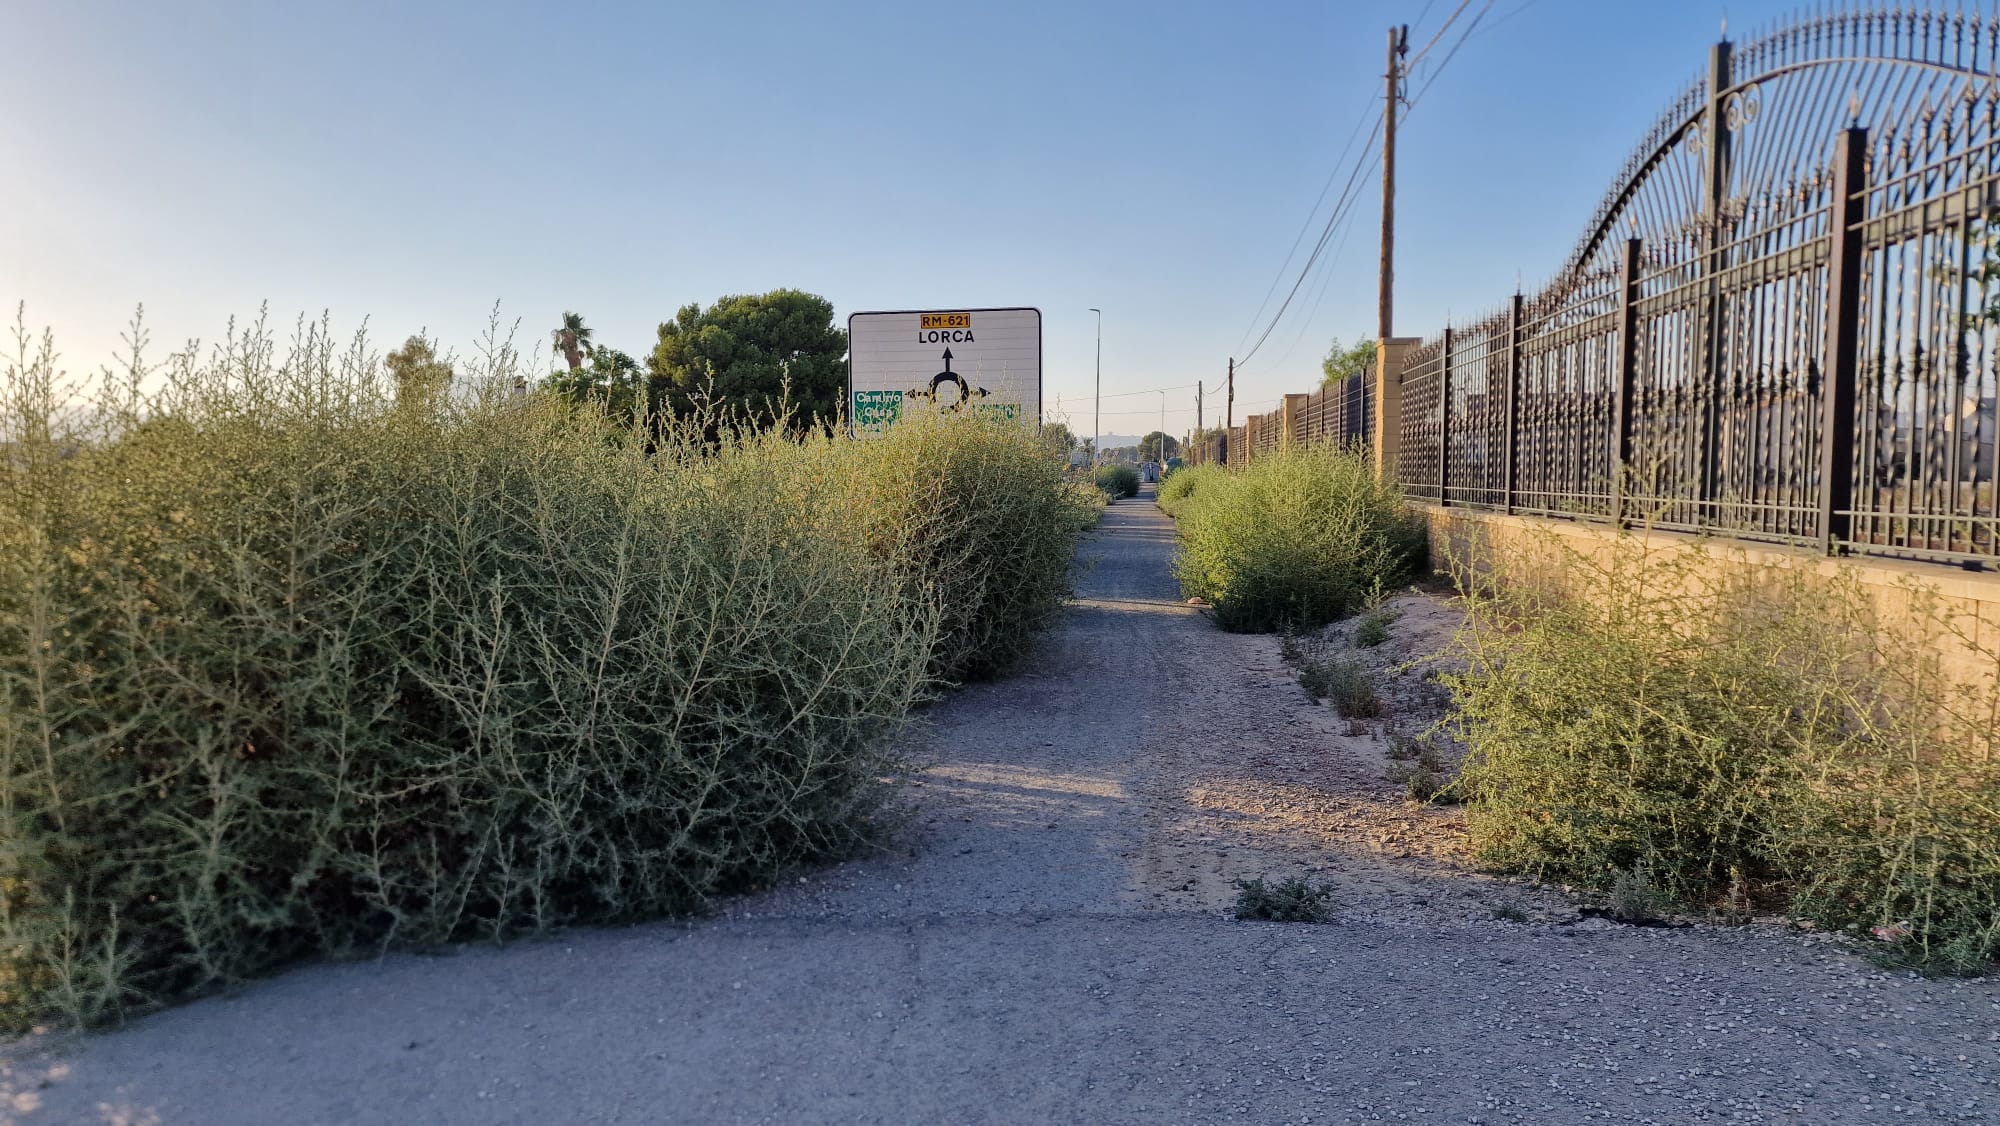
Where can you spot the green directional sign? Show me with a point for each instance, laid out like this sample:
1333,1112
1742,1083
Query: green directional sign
875,411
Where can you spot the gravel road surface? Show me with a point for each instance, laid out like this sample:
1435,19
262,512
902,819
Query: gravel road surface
1051,944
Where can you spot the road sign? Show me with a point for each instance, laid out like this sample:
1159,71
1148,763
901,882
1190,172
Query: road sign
945,360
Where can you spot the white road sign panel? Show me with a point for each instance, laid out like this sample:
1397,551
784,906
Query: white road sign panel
944,359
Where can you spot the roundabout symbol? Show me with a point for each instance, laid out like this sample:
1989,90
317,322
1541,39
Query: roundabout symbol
961,394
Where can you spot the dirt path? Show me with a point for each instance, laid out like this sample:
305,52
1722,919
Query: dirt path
1052,946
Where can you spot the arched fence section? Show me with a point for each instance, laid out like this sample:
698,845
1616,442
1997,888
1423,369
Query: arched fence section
1781,324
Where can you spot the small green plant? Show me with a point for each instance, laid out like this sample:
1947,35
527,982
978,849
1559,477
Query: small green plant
1288,901
1118,481
1634,898
1347,685
1510,913
1418,766
1373,628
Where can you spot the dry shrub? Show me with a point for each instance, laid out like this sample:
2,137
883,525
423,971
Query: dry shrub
1295,540
286,669
1182,484
1719,724
1118,482
976,515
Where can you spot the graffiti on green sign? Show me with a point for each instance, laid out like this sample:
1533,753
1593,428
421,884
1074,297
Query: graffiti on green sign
875,410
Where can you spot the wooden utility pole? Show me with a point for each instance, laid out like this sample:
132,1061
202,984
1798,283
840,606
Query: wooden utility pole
1229,411
1399,45
1197,406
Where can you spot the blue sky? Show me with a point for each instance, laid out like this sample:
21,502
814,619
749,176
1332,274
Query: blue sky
415,163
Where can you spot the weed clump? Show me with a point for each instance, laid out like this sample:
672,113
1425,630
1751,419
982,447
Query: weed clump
1181,486
1373,627
1416,765
1733,731
1297,538
1347,685
1118,482
1287,901
1634,899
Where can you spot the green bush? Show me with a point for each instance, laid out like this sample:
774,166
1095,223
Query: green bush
1729,730
286,669
1294,540
975,511
1181,485
1118,481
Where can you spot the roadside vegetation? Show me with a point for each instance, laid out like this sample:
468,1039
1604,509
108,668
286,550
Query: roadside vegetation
1294,540
1181,485
304,653
1119,482
1674,729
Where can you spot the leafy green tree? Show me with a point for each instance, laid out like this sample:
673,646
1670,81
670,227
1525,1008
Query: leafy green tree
420,375
1150,446
746,353
574,340
613,377
1340,363
1057,435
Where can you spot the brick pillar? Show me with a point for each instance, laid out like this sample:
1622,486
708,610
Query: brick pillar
1387,439
1295,417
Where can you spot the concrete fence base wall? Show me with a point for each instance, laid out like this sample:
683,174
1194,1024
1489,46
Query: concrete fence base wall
1522,548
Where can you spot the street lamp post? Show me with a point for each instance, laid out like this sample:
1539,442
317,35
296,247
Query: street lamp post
1097,414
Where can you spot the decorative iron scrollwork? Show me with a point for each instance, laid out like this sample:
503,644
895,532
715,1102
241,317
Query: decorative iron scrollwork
1742,108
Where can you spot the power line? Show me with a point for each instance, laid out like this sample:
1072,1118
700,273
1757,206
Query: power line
1152,390
1367,112
1347,198
1411,105
1436,35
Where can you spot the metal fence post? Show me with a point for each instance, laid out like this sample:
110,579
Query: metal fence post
1843,331
1511,432
1628,381
1717,175
1444,421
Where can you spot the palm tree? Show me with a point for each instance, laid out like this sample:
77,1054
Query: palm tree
573,340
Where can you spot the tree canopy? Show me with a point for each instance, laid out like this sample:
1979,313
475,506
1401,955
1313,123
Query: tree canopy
1057,434
1150,446
613,377
573,339
421,376
739,352
1340,362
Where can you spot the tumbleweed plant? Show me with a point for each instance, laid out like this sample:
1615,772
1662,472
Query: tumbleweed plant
1296,539
1732,728
290,669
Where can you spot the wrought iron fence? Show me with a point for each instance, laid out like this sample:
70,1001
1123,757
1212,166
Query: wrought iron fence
1340,412
1782,323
